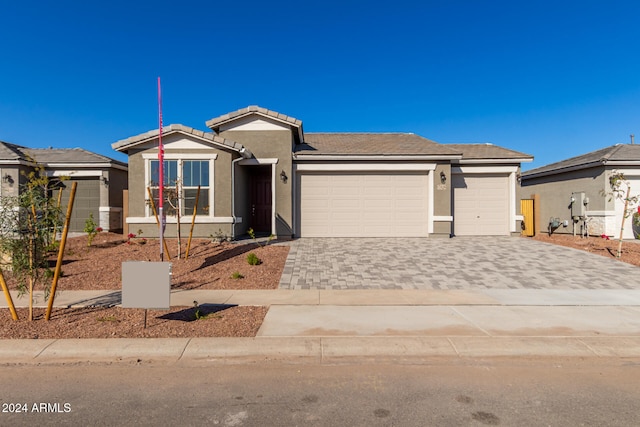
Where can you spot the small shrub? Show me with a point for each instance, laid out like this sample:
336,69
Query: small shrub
253,259
91,228
237,275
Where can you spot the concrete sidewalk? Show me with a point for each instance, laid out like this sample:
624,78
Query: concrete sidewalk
329,326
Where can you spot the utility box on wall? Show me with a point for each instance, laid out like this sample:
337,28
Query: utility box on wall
578,205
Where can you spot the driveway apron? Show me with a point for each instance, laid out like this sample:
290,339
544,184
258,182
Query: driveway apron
457,263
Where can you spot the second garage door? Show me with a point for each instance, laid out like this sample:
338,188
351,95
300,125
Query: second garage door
481,205
363,205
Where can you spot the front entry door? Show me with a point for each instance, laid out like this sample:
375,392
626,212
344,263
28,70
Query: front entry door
260,207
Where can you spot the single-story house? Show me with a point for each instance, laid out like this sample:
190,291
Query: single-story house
101,180
572,191
258,169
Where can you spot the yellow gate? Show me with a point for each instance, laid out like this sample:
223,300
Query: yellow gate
526,208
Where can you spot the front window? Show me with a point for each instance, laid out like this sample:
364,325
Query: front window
181,181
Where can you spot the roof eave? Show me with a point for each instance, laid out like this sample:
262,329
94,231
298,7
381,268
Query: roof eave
85,165
124,145
360,157
558,171
480,161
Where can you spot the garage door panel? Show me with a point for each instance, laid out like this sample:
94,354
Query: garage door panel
364,205
481,205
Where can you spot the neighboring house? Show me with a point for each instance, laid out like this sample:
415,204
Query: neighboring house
258,169
101,180
584,179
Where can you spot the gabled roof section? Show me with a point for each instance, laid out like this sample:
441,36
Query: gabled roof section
11,152
55,157
50,157
488,152
372,144
617,155
208,137
215,123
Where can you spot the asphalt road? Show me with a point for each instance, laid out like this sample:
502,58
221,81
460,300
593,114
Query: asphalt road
443,392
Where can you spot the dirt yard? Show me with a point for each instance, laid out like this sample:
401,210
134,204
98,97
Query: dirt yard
98,267
209,266
596,245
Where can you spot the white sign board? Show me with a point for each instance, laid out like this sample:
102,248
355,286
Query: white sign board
146,284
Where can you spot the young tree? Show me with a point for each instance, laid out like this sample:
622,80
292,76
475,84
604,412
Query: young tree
621,190
28,224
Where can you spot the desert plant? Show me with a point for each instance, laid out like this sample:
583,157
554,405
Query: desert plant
91,228
219,237
236,275
27,227
621,190
253,259
252,234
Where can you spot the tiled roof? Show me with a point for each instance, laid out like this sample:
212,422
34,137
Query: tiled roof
217,121
371,144
49,156
619,153
125,144
11,151
486,152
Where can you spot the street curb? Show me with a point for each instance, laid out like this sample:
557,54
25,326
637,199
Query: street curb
320,350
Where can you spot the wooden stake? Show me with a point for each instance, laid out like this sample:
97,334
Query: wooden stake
193,222
7,295
63,242
153,207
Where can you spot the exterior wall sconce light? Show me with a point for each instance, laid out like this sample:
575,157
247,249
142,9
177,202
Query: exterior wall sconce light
7,178
283,177
105,180
443,177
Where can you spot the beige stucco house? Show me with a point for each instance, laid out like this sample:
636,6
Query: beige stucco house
573,191
258,169
101,180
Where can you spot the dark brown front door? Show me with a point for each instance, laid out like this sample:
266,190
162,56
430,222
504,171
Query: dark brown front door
260,208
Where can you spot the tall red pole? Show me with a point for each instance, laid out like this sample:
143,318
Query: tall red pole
160,173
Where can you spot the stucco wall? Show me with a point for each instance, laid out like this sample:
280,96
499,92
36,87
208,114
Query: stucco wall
272,144
555,192
442,199
182,146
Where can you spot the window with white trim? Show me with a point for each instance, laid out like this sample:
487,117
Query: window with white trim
181,180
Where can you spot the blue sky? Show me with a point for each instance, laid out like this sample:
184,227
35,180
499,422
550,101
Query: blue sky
549,78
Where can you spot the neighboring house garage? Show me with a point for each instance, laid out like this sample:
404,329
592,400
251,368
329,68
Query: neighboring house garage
87,201
101,181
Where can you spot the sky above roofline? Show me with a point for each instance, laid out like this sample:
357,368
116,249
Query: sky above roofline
551,79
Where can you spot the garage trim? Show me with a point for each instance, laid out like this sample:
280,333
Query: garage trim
365,167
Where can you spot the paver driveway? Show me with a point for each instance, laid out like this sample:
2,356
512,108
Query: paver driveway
457,263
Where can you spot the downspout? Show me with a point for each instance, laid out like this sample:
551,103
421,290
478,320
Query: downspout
244,154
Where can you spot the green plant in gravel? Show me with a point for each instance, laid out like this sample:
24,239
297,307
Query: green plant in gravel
199,315
252,234
91,228
253,259
28,224
236,275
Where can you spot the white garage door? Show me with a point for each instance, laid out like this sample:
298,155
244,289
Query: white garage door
481,205
628,232
363,205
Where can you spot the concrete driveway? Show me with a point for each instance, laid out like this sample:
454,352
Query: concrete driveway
457,263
